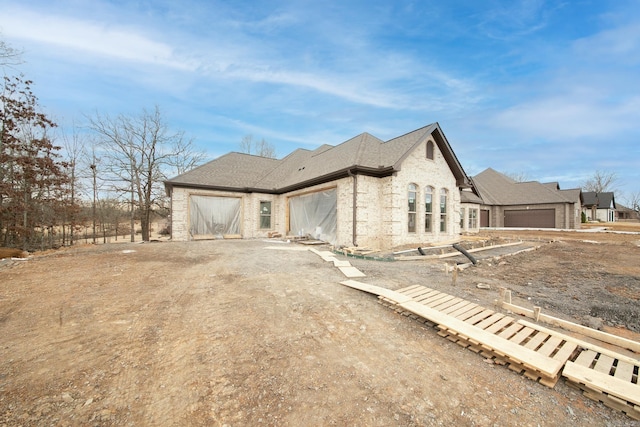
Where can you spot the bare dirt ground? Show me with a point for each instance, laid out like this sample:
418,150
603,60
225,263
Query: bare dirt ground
234,333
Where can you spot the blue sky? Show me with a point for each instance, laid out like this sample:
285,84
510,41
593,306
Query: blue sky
548,89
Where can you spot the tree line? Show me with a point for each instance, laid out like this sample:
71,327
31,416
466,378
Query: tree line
109,175
93,182
100,180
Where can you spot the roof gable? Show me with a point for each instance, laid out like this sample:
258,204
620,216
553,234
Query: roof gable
602,200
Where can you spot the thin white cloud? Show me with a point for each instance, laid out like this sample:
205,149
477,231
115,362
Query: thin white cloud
241,56
621,43
89,37
514,19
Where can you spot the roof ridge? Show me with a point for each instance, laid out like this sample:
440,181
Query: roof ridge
426,128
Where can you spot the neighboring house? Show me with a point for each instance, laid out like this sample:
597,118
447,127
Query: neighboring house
469,210
508,203
624,213
363,192
599,206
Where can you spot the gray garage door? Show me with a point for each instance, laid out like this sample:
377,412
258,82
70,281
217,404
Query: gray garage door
533,218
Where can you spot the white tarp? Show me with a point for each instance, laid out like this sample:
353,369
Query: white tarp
214,216
314,214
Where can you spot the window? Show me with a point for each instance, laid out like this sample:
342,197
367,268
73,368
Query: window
473,218
428,209
461,219
265,215
443,210
430,150
412,193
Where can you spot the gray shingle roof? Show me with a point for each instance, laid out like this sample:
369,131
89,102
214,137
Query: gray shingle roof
469,197
498,189
361,154
602,200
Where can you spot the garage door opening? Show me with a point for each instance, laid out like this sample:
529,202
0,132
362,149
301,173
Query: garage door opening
530,218
213,217
314,215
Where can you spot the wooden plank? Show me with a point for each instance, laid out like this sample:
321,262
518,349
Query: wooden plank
496,327
586,358
482,316
429,294
574,327
412,290
602,382
433,299
408,288
468,315
552,343
581,343
535,341
510,331
530,359
446,304
351,272
525,333
566,351
624,371
604,364
323,254
455,307
394,296
545,365
612,402
419,293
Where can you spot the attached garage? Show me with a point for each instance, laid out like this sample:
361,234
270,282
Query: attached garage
530,218
213,217
314,214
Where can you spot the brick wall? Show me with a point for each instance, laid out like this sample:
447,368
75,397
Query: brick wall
423,172
381,206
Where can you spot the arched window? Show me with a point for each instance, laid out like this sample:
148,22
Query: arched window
430,150
428,209
412,205
443,209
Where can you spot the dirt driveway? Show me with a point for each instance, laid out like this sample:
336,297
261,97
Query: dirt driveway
235,333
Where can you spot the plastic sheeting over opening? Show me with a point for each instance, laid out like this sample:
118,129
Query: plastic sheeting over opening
315,214
214,216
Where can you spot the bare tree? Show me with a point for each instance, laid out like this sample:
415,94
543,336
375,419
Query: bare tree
137,152
246,144
517,176
261,148
600,182
75,152
633,201
8,55
186,158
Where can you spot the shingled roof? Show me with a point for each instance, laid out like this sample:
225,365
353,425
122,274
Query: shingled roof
602,200
498,189
363,154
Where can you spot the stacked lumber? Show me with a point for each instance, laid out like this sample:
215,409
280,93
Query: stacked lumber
612,380
534,351
538,355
